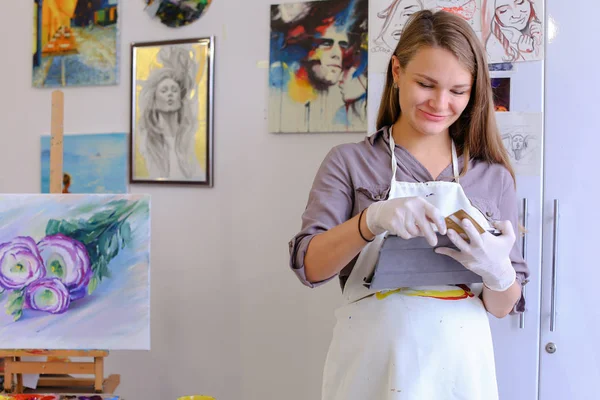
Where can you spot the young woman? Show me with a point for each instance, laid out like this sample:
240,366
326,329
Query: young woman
420,342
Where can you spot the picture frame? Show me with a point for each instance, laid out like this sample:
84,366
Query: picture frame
171,115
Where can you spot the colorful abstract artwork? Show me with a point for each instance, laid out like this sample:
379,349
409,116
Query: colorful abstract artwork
75,271
318,66
75,43
176,13
94,163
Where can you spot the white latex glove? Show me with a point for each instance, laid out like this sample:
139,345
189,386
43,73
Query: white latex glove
407,217
486,255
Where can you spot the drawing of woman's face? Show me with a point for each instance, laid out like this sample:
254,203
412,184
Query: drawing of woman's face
168,96
399,17
513,13
518,142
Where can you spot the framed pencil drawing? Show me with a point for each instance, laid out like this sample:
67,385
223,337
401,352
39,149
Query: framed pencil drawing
171,112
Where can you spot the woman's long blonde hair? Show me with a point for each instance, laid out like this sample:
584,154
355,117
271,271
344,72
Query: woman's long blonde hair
475,132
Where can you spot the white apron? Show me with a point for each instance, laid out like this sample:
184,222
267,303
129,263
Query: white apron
412,343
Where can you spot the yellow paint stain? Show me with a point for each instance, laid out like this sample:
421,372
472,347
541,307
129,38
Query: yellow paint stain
300,90
439,294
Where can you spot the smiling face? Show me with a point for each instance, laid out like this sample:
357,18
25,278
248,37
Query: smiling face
513,13
434,90
168,96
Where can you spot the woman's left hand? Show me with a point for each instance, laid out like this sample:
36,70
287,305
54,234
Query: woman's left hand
486,255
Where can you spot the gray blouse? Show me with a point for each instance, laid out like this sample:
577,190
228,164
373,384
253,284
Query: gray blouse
354,175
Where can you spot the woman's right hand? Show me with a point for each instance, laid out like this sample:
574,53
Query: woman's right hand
407,217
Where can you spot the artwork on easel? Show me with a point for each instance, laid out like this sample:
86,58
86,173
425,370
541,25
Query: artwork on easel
318,66
513,31
75,271
75,43
92,163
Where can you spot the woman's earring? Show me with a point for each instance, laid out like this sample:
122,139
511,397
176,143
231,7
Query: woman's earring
395,85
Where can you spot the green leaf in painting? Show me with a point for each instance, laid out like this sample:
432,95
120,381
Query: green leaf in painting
17,315
14,305
125,232
93,285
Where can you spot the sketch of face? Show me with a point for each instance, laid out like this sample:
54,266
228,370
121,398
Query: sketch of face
400,15
168,96
518,142
518,146
434,90
327,56
513,13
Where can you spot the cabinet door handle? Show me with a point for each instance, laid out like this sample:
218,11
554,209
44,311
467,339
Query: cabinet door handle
554,267
524,253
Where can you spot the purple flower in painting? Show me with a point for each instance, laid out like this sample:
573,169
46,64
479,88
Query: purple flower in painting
20,263
48,294
68,260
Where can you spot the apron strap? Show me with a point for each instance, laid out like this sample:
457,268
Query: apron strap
455,163
395,165
394,162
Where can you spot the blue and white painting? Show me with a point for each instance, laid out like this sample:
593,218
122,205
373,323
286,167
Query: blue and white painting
94,163
75,271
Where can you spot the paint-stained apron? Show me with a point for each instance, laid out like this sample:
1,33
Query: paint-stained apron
412,343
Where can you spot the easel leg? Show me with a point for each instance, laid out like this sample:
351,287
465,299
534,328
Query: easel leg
8,374
19,378
99,374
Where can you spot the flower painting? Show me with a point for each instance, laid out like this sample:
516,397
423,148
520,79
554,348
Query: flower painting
75,271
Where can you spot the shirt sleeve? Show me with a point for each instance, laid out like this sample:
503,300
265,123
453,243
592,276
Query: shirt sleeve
509,211
330,203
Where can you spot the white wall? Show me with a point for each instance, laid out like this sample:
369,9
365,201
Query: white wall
228,317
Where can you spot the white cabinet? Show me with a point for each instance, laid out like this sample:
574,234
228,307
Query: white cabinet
570,310
516,338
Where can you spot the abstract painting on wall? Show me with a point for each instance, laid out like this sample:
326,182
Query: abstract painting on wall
75,43
94,163
318,66
75,271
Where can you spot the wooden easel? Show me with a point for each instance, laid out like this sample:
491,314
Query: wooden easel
58,361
